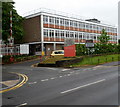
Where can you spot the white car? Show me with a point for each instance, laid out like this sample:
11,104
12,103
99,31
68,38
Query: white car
57,53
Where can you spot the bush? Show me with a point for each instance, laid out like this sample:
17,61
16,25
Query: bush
98,49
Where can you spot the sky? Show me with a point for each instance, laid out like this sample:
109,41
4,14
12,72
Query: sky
104,10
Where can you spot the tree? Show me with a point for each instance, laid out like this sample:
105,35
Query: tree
104,38
17,27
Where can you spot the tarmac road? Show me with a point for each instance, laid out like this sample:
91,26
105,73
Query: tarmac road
95,85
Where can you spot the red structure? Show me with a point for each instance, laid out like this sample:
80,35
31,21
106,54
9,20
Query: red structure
70,51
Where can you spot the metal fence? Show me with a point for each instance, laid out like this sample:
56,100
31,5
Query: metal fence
10,50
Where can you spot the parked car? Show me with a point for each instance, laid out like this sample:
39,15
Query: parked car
57,53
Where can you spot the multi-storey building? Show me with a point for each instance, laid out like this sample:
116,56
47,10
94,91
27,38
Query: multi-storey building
46,31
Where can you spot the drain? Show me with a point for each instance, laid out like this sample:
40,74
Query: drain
10,97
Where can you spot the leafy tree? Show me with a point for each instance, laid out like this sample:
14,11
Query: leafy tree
17,27
104,38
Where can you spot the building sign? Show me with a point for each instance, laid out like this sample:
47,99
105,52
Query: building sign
70,51
89,44
69,42
24,49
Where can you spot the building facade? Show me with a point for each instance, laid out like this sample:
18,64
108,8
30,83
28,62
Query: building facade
46,31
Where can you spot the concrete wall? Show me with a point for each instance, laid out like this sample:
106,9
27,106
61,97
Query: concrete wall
32,29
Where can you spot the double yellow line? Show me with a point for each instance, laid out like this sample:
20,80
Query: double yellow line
25,79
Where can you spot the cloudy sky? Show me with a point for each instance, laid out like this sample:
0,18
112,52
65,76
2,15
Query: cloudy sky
104,10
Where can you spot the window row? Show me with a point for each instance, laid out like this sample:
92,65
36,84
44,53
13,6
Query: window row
75,35
76,24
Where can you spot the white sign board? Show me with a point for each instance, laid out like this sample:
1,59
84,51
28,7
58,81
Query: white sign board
69,42
24,49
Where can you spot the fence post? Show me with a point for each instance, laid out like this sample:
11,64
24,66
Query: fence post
112,58
98,61
106,59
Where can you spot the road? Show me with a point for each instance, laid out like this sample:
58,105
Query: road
95,85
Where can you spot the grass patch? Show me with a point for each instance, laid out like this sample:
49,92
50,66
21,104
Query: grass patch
52,60
97,60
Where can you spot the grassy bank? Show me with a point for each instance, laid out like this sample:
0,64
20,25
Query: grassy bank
52,60
97,60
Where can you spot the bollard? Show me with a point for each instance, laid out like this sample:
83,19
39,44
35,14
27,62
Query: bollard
106,59
98,61
112,58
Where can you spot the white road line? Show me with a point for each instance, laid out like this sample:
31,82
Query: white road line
65,69
82,86
45,80
60,76
52,78
21,105
32,83
52,68
68,75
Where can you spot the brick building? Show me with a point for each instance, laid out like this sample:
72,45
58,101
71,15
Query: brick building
46,30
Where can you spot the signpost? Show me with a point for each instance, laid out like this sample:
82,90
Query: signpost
90,45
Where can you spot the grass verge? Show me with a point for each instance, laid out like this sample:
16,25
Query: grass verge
52,60
97,60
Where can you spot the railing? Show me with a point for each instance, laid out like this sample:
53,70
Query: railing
10,50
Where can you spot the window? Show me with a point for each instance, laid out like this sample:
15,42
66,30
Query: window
45,19
67,23
67,35
87,26
51,33
75,24
87,35
45,32
62,22
71,34
62,34
71,23
83,25
76,35
84,35
57,21
80,35
56,33
51,20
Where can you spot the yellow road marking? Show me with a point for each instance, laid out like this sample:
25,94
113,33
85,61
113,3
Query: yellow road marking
25,79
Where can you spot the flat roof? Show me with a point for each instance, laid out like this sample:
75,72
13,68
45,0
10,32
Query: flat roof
45,11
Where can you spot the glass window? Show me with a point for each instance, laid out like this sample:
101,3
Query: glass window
80,35
57,21
83,25
72,34
87,26
62,22
45,32
62,34
51,20
67,34
67,23
71,23
51,33
75,24
76,35
56,33
45,19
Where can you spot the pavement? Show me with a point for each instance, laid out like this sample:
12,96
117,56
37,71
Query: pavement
96,85
9,80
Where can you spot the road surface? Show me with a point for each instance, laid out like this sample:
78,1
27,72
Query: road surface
95,85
